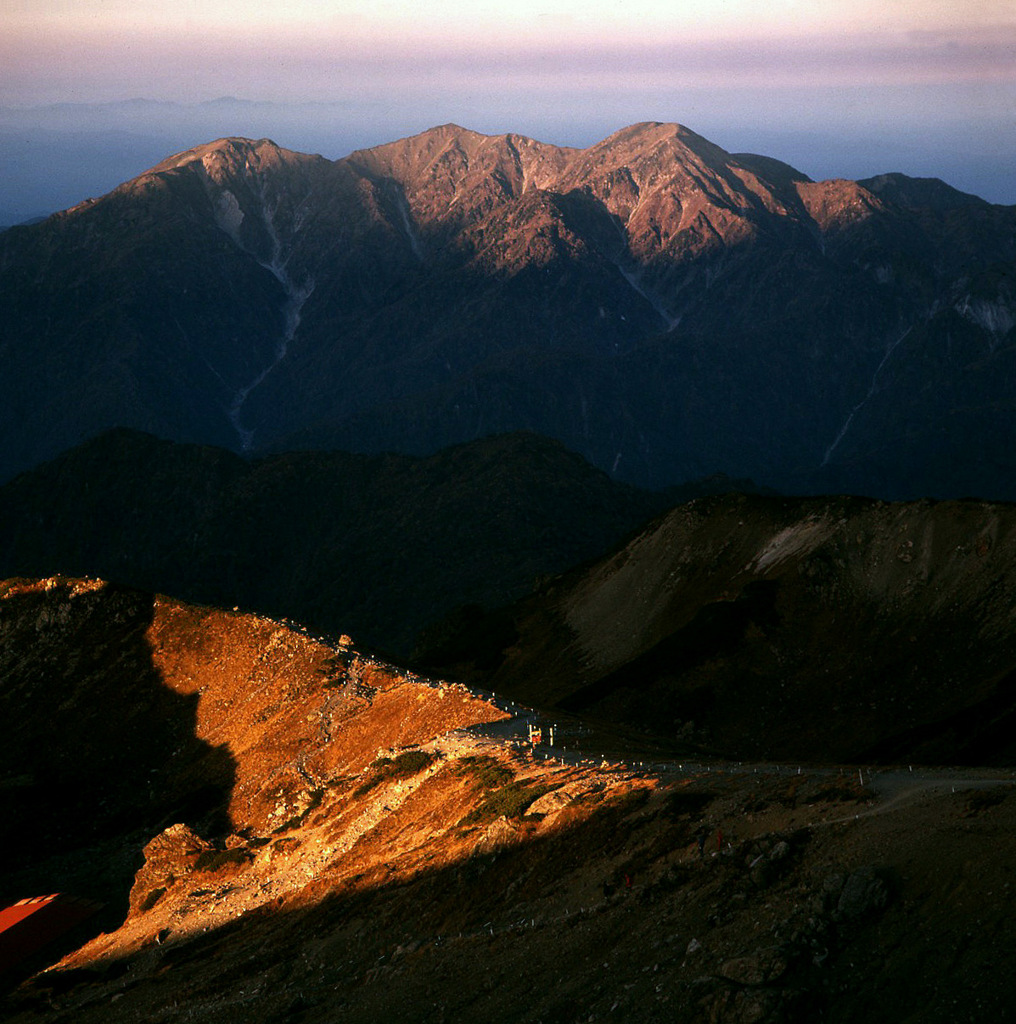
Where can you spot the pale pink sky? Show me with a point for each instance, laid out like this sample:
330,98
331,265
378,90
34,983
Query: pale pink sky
54,50
837,87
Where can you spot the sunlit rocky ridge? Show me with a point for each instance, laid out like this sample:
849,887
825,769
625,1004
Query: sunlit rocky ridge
375,841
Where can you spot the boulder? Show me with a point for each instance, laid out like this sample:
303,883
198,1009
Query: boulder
865,892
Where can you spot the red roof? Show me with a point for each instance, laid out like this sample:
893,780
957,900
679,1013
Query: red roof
32,923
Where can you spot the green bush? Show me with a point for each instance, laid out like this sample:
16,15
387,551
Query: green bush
485,770
410,762
510,801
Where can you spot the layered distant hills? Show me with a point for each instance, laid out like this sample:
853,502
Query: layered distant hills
665,308
819,629
375,546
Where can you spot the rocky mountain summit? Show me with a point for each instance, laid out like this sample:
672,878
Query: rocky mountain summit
665,308
283,829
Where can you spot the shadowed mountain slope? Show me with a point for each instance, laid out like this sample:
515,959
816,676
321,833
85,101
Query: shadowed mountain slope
98,753
665,308
378,546
826,629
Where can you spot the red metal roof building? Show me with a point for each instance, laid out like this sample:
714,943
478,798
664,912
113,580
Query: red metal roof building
31,924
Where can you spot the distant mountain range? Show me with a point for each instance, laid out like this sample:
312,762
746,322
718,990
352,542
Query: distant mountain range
665,308
53,156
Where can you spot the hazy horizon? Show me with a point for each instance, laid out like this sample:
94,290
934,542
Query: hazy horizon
847,90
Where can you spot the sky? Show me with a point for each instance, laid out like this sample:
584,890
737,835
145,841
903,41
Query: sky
321,49
836,87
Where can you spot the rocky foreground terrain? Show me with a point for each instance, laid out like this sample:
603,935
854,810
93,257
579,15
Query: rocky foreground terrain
282,829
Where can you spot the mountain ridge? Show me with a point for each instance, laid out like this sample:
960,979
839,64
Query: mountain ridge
378,546
657,304
282,827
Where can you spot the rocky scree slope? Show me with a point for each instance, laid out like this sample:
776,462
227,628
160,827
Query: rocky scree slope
665,308
367,850
825,629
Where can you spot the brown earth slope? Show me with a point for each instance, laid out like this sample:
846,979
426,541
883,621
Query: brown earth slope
378,848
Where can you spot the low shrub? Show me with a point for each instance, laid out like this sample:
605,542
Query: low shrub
406,764
487,771
411,762
510,801
298,819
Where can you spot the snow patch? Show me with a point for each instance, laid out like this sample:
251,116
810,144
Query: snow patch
635,280
294,304
407,225
296,294
871,390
